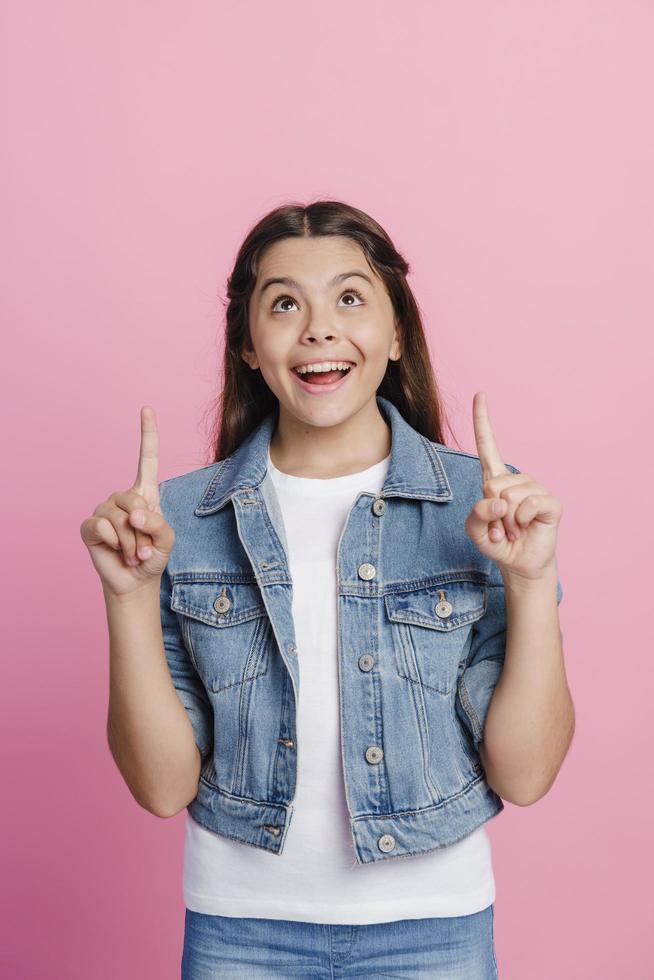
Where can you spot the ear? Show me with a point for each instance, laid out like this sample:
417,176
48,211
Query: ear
248,354
396,347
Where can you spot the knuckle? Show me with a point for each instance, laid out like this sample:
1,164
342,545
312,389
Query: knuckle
134,498
127,542
98,525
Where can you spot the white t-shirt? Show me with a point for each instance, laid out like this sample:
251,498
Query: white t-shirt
316,878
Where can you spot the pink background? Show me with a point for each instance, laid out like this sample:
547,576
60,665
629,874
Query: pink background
508,148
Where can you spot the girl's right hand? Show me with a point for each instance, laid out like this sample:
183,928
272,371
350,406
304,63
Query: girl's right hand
129,555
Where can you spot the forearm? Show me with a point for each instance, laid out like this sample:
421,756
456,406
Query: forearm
150,734
530,720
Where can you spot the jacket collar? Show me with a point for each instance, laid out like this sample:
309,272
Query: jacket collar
415,468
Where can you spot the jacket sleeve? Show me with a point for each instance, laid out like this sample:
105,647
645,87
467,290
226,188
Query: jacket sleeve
186,680
483,665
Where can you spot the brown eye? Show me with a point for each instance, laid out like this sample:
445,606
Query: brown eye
285,297
353,292
276,301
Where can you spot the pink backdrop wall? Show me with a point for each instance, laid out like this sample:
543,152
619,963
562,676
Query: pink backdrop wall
509,149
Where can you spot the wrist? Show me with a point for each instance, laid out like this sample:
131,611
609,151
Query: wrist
144,593
544,580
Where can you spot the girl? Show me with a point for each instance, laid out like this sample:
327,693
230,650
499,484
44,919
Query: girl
306,635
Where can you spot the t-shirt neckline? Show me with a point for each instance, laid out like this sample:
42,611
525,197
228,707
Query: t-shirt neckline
318,486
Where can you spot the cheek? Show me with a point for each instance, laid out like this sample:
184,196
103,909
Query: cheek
374,341
269,348
273,365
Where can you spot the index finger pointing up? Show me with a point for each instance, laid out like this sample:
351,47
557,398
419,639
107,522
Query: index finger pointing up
487,450
147,474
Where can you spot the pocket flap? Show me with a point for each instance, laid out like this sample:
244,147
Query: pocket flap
439,607
217,603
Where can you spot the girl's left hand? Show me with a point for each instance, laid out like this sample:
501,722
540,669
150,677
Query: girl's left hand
521,535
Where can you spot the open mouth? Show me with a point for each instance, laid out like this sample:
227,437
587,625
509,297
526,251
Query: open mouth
322,382
323,377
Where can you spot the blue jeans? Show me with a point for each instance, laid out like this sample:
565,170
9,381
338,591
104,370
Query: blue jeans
451,948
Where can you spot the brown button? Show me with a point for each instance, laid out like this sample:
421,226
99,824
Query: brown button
222,604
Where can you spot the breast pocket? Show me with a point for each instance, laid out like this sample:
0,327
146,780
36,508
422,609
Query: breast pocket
431,627
226,628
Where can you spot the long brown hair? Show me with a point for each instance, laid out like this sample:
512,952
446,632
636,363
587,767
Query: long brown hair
245,399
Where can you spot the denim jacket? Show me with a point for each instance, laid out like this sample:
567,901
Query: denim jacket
421,644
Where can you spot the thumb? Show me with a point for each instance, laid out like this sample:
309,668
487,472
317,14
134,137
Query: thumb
156,526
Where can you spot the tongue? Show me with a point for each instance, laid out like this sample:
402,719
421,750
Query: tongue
323,377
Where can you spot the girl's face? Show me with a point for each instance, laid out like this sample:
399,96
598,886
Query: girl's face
317,300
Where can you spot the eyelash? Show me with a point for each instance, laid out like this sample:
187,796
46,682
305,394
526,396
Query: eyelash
355,292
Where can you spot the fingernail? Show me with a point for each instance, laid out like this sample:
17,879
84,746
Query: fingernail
138,517
145,552
497,506
132,561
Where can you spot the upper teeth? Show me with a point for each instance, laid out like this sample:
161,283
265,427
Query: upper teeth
324,366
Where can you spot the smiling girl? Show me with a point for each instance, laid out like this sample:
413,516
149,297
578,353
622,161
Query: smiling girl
338,644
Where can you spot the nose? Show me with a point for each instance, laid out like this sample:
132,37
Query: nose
318,330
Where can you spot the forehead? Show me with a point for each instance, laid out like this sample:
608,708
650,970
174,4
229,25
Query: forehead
313,261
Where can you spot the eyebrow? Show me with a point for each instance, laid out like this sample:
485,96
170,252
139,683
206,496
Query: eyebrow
287,281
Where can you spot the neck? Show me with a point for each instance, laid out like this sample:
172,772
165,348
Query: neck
321,452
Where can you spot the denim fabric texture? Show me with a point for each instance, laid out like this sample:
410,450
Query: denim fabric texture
450,948
421,645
